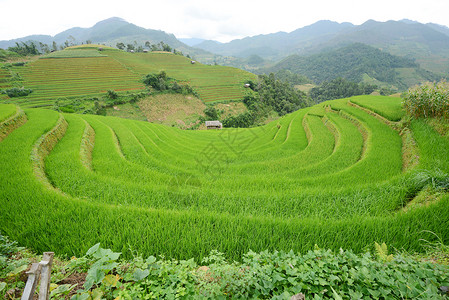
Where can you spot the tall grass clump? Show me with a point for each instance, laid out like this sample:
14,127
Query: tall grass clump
428,100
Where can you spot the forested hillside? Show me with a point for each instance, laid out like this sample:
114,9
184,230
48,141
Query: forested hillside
359,63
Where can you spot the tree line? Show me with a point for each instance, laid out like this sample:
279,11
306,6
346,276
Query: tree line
36,48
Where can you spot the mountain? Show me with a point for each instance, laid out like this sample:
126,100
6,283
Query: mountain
277,45
110,32
427,43
191,41
441,28
360,63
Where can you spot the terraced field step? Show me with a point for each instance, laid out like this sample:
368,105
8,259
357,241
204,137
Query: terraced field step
11,117
142,188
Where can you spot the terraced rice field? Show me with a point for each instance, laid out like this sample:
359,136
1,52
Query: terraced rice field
388,107
4,80
213,83
51,79
331,175
88,72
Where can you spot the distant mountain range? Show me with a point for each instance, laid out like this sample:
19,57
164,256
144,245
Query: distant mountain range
426,45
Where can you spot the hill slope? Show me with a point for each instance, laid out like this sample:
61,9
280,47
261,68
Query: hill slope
357,62
85,71
332,175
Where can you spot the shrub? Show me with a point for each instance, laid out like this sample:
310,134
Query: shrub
7,247
212,113
17,92
246,119
428,100
111,94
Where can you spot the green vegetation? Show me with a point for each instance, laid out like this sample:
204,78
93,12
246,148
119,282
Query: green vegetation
387,107
75,53
212,83
430,100
17,92
291,78
267,95
5,55
7,110
24,49
358,63
331,174
51,79
161,82
339,88
265,275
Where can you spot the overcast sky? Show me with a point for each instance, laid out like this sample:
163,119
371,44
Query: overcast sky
208,19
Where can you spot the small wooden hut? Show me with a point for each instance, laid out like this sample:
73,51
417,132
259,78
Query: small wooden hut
214,125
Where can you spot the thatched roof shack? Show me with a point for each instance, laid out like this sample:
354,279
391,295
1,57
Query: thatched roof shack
214,125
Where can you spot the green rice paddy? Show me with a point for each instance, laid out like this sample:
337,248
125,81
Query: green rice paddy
88,72
330,175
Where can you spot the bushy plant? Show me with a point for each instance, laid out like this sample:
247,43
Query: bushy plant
161,82
428,100
7,247
17,92
318,273
211,113
111,94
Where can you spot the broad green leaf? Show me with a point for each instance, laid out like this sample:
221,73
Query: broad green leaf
96,274
83,296
140,274
93,249
17,271
150,260
2,286
64,289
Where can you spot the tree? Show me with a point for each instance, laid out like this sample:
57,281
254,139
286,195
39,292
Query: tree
120,46
28,48
339,88
167,48
71,40
130,47
154,47
44,48
148,44
54,46
111,94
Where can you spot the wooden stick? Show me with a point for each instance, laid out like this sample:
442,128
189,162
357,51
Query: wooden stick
33,278
46,263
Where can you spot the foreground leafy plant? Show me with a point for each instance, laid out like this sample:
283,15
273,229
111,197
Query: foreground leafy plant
267,275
